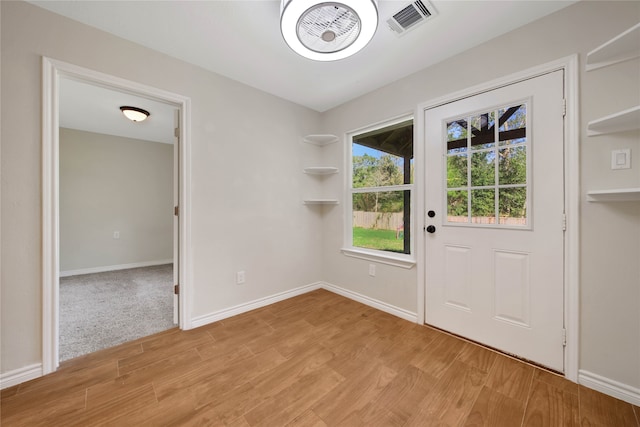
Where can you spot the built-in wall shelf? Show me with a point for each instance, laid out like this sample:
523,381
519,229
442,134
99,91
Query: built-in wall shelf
320,139
622,47
619,122
320,170
616,195
320,201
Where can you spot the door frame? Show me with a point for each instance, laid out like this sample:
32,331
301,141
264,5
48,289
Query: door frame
570,66
52,71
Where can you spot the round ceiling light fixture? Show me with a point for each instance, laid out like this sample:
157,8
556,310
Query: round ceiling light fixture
328,30
134,114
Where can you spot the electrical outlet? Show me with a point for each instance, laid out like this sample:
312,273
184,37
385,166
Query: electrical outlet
116,234
240,279
372,270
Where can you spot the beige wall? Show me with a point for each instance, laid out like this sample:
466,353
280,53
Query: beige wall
247,181
610,233
109,183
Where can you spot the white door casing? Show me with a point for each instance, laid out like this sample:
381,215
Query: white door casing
52,71
502,285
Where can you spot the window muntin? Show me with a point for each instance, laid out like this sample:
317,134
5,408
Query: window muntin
381,185
487,184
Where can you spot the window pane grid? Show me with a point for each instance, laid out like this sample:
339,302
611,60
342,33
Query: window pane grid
487,182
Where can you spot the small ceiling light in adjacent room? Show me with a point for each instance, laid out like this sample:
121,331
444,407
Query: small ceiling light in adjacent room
134,114
328,30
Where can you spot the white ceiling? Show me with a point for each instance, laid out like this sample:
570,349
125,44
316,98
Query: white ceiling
241,39
97,109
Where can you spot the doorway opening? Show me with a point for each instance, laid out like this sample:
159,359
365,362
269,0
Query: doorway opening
116,201
113,241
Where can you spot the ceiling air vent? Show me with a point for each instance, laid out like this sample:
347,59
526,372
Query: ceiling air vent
411,16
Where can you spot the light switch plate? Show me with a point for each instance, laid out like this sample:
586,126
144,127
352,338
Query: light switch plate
621,159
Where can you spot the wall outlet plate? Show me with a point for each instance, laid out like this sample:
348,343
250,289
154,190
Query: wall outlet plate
240,278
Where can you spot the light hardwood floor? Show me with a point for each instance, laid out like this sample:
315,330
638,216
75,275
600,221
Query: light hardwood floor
315,360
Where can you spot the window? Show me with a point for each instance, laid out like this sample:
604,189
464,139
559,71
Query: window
487,182
380,188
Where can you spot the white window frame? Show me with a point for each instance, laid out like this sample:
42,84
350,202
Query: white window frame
406,261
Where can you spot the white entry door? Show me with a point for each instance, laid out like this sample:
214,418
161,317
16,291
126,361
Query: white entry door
495,218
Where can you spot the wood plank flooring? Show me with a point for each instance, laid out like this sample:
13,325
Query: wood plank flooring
315,360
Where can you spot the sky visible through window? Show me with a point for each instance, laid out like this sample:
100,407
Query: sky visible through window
361,150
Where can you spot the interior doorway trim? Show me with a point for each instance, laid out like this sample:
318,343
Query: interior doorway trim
52,71
571,190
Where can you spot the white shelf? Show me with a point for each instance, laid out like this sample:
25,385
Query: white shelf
320,201
320,170
616,195
618,122
621,48
320,140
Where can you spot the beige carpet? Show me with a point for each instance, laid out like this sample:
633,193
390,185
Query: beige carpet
102,310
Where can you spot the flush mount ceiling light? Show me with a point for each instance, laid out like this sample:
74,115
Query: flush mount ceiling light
328,30
134,114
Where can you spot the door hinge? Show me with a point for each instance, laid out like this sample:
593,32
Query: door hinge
176,132
564,222
564,337
176,289
564,107
176,210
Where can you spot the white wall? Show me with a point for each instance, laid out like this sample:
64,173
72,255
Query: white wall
108,184
610,233
247,181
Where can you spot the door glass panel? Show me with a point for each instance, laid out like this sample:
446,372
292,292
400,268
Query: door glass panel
513,165
457,206
483,169
494,175
483,206
483,131
513,206
457,171
457,136
513,124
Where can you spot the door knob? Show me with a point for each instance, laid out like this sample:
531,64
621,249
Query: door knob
431,229
431,214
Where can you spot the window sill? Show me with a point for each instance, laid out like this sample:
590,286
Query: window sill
397,260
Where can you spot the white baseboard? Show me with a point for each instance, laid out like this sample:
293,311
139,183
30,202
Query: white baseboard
610,387
371,302
252,305
104,268
20,375
262,302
